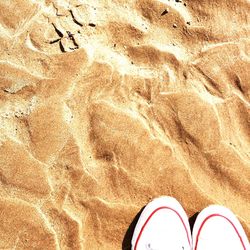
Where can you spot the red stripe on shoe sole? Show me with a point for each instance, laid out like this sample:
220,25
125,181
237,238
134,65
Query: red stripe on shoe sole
150,216
213,215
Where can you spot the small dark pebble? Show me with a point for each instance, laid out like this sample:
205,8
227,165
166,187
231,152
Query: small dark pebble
175,25
164,12
61,47
59,33
114,45
54,41
178,1
188,23
185,4
70,35
92,25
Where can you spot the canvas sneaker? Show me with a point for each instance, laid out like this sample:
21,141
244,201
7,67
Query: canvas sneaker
217,228
163,225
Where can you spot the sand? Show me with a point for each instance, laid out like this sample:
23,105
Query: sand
105,105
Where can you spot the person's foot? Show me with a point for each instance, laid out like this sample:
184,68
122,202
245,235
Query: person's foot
163,224
217,228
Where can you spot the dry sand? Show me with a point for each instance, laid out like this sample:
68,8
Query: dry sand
106,104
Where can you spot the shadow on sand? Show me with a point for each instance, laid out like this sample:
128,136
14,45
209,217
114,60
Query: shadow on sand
126,243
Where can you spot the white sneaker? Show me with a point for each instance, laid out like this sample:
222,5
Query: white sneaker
163,225
217,228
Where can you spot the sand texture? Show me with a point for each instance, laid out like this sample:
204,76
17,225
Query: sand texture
106,104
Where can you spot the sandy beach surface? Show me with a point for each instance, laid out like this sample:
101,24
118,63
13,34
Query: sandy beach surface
107,104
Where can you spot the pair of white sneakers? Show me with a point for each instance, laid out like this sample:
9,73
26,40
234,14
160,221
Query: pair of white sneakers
164,225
